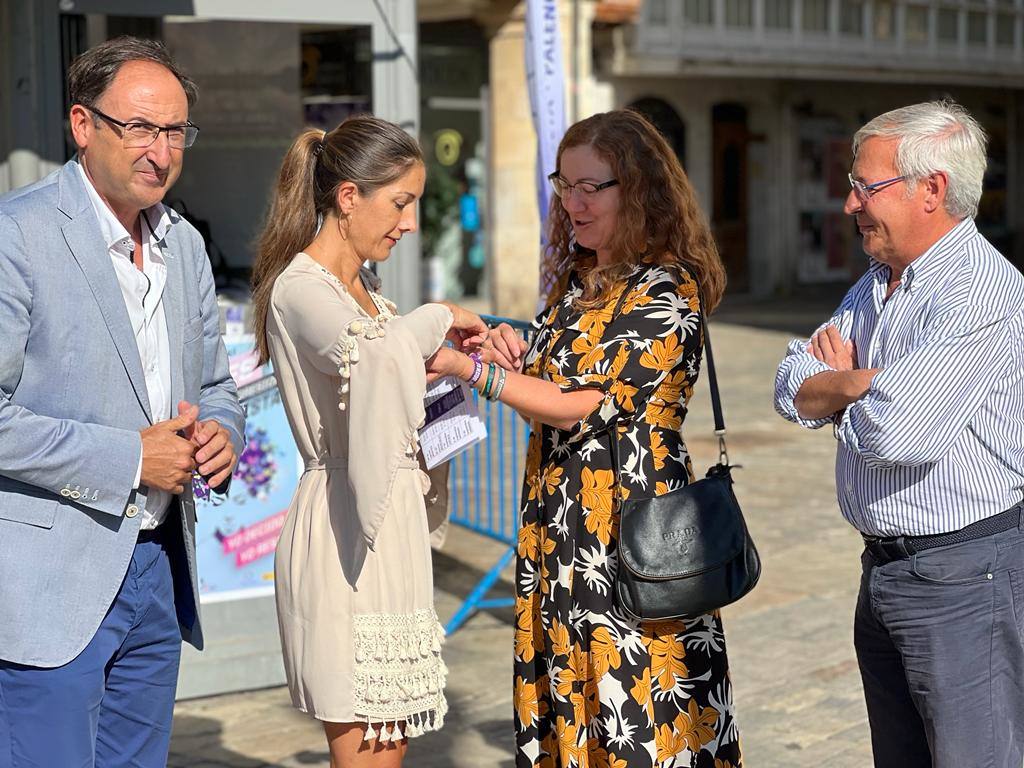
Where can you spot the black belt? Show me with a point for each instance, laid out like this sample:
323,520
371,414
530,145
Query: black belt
151,534
888,548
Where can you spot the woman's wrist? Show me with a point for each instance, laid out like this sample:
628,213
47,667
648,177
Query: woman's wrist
466,367
455,310
478,369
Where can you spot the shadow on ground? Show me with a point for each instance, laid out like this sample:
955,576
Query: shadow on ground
458,578
197,742
446,747
799,313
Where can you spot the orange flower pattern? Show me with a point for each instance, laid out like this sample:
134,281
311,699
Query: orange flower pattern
594,689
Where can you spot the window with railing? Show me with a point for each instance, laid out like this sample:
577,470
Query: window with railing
815,18
778,14
739,14
884,20
657,12
1005,24
699,12
915,24
946,25
851,17
977,28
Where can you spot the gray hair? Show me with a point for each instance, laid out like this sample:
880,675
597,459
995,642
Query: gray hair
92,73
936,136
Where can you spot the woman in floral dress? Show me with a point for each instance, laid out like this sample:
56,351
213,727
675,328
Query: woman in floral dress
615,356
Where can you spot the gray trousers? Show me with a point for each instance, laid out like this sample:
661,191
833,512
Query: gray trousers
940,643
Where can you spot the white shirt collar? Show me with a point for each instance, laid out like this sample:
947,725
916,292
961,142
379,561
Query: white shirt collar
114,234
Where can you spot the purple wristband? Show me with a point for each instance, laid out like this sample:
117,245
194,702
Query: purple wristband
478,368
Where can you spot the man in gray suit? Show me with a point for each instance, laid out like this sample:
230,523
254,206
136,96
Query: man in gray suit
114,389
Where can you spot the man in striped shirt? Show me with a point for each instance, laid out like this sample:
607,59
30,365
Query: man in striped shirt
920,372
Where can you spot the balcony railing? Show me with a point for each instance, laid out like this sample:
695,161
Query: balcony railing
977,37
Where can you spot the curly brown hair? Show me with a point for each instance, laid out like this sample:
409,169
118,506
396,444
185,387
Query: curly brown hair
659,219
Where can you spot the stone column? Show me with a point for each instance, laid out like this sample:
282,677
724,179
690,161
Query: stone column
700,148
514,219
396,97
515,224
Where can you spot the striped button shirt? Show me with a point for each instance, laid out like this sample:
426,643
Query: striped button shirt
937,442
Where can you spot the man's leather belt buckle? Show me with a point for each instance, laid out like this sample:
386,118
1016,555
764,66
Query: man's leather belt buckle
885,549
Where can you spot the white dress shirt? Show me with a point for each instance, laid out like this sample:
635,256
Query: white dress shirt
143,293
937,443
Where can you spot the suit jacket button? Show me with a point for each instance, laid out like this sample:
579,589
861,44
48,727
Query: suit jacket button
132,511
76,495
65,492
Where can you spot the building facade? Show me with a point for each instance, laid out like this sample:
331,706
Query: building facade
760,99
264,69
769,93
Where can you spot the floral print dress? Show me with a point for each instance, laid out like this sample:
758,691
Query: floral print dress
594,688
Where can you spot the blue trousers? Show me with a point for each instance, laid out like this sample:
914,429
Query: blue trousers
111,706
940,643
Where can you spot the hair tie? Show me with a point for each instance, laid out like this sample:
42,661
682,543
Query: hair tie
318,148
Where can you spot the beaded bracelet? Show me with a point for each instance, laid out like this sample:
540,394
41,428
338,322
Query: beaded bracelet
478,369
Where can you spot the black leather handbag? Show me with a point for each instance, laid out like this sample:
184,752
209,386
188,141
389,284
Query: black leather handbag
687,552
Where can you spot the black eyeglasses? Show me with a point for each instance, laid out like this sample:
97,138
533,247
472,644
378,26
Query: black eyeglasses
563,188
136,135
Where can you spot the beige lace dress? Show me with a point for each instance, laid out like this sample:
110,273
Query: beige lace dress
353,578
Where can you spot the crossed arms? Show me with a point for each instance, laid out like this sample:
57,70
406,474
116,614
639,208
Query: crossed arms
829,392
913,410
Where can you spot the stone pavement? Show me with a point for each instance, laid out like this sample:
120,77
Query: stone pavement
797,688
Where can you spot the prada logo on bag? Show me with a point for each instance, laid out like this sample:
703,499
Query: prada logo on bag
682,539
683,534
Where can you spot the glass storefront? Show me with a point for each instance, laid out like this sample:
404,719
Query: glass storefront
261,78
453,82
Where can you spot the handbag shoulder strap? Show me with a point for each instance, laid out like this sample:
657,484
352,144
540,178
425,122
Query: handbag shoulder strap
716,398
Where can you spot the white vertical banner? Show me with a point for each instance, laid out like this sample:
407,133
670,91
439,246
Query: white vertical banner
546,85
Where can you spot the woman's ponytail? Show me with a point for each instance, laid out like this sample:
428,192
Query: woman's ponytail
365,150
290,226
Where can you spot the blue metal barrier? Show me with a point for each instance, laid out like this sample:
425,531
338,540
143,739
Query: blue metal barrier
484,492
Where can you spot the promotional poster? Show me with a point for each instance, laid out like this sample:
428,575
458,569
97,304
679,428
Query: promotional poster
236,534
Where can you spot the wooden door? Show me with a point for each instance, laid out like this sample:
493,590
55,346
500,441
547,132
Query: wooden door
729,215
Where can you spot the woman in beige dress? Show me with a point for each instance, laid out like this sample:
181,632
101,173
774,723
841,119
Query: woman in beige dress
354,588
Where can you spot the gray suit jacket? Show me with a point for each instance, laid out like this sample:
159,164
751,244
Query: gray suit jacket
72,403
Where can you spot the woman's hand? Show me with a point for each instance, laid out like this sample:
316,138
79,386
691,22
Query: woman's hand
501,345
466,323
448,362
